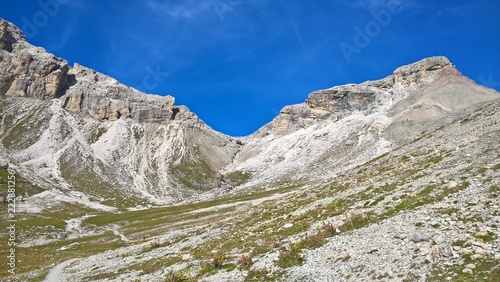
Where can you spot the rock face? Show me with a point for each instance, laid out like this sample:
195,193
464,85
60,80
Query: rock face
33,73
423,71
9,34
28,72
104,98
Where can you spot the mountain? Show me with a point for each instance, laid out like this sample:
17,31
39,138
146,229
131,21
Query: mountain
339,128
394,179
76,129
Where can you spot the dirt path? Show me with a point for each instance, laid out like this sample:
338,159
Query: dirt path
119,234
56,274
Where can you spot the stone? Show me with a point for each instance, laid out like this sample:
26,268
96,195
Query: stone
438,239
480,251
342,257
467,271
416,238
434,252
187,257
473,202
103,98
61,235
478,243
406,75
465,252
470,266
481,233
288,225
38,74
4,164
476,257
446,252
28,74
434,223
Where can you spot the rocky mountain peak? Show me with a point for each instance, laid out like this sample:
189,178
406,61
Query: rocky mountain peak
9,34
31,72
368,97
421,71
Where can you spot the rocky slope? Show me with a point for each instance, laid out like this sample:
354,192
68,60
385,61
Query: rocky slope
426,211
360,182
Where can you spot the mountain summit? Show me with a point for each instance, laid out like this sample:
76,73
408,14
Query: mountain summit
404,168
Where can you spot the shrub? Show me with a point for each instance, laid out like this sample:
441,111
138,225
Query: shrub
178,277
329,230
290,256
258,275
218,260
355,221
246,262
314,241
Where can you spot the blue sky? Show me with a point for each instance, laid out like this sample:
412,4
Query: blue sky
236,63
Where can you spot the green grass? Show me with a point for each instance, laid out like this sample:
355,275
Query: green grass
194,174
146,267
489,237
405,159
494,190
237,178
35,257
23,187
85,178
96,133
425,196
459,243
259,275
26,132
486,270
259,230
482,170
174,211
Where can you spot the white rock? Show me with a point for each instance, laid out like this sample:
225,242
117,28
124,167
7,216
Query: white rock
467,271
470,266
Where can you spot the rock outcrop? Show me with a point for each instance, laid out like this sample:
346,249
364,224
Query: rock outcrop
27,71
104,98
425,71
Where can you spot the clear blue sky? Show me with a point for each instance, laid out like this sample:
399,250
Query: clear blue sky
236,63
